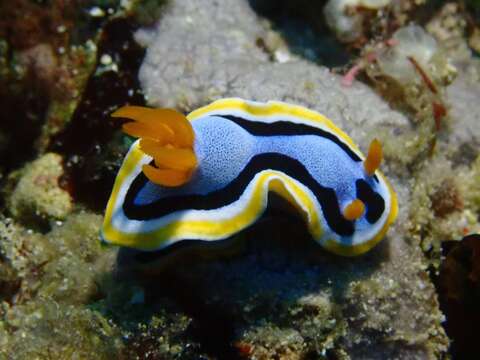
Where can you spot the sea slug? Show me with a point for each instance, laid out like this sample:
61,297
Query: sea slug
207,176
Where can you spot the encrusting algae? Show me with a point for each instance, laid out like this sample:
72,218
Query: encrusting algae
37,196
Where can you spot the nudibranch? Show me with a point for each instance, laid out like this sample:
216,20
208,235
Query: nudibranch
207,176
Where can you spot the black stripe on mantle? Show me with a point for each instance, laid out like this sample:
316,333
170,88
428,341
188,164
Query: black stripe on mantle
282,127
288,128
232,192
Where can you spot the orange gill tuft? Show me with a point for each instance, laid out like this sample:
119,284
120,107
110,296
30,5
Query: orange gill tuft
167,136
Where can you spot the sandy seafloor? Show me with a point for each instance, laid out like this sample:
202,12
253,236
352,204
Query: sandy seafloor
275,294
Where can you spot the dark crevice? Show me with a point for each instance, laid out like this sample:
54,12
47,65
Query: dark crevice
93,147
212,326
24,107
10,282
458,286
301,24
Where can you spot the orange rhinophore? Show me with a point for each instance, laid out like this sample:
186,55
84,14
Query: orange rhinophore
167,136
374,157
354,210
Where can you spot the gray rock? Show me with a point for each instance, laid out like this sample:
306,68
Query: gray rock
213,43
462,95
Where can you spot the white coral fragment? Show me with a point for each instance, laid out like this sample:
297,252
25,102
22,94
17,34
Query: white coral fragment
410,42
345,17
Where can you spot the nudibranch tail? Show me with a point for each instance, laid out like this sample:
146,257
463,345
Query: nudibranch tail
374,157
167,136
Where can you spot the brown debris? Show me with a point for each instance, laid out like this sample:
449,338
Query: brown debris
446,199
25,23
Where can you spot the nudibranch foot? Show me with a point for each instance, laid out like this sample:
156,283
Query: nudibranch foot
154,263
241,151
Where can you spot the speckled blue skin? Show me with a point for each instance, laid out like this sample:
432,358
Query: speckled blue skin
223,149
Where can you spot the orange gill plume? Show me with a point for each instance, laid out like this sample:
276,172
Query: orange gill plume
167,136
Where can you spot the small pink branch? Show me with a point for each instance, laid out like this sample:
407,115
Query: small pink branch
350,76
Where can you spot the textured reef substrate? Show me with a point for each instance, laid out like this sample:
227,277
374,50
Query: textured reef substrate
276,295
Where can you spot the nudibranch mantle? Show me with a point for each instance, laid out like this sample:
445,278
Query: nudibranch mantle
245,149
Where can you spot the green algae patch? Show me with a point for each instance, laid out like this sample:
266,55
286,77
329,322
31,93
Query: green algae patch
164,336
471,187
44,315
272,342
372,303
72,276
38,195
61,299
309,326
46,329
63,264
